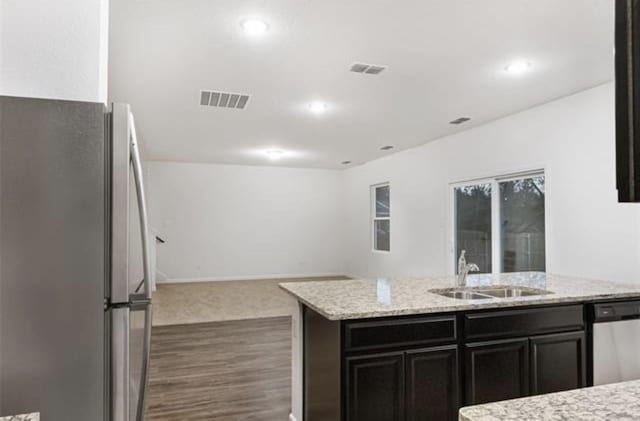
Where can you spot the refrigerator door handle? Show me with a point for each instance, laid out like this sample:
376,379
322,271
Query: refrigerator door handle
146,354
142,207
146,264
123,377
120,328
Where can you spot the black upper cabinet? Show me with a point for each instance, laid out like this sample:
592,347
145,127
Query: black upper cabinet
627,73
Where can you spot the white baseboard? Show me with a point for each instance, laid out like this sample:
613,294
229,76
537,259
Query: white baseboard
161,276
249,277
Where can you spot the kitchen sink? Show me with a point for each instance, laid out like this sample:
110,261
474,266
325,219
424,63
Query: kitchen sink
462,295
509,291
489,292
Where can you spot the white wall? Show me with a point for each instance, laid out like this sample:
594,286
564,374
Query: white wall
240,222
233,222
589,233
54,49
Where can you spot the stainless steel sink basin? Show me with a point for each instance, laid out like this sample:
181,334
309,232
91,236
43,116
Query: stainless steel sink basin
508,292
463,295
489,292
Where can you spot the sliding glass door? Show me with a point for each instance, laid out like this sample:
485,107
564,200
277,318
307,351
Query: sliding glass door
500,222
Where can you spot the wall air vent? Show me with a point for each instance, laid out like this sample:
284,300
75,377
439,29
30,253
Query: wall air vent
369,69
223,99
460,120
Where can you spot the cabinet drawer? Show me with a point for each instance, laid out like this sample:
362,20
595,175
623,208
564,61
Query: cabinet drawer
512,323
402,332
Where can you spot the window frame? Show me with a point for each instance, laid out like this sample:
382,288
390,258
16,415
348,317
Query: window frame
496,245
373,216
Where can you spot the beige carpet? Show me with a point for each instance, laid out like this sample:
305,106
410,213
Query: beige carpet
200,302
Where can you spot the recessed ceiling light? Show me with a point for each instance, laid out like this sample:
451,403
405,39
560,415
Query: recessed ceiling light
517,67
386,148
275,154
254,26
346,162
318,107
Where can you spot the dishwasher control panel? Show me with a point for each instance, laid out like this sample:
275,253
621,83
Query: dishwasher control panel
607,312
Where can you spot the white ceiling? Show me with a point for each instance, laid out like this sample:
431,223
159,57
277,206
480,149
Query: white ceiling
446,60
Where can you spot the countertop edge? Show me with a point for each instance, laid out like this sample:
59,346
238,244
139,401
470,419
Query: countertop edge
453,307
324,314
33,416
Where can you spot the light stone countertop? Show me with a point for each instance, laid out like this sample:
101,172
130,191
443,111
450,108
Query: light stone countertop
360,298
618,401
24,417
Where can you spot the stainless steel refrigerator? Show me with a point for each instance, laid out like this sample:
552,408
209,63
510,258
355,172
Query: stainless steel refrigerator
75,322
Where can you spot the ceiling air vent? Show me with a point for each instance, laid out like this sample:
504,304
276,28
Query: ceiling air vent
369,69
224,99
460,120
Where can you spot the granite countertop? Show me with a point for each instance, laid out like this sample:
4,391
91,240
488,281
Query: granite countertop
618,401
24,417
361,298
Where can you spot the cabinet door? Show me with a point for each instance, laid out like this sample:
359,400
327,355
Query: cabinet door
558,362
375,387
496,370
432,384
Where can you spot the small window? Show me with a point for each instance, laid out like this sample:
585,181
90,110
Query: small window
381,217
500,222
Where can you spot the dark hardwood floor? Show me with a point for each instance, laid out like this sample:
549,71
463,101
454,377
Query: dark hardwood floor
231,371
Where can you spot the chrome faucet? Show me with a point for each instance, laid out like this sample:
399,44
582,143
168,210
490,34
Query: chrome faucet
464,269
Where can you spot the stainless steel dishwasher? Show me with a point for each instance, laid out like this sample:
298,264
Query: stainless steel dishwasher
616,342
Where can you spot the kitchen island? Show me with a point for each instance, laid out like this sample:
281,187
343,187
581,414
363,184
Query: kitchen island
618,401
400,350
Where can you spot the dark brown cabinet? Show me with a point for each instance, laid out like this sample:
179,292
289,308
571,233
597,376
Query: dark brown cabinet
423,368
558,362
627,83
513,368
432,384
496,370
375,388
415,385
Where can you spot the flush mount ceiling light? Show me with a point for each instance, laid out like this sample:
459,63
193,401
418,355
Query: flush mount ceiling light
274,154
518,67
318,107
254,26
